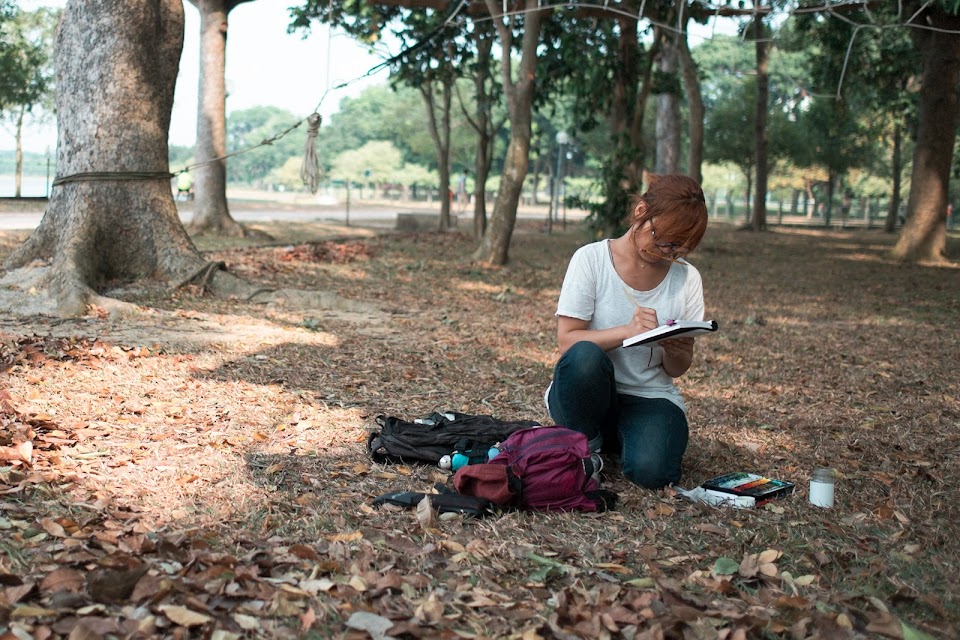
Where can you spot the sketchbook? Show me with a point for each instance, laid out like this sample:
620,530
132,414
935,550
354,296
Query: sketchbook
673,329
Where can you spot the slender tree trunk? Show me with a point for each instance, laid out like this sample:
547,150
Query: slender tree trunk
18,171
483,123
828,210
210,211
691,84
483,35
440,134
746,199
635,167
623,103
668,106
924,235
494,248
760,124
896,169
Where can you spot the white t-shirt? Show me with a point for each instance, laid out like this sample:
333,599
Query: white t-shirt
593,291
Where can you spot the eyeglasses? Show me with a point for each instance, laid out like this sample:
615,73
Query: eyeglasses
675,249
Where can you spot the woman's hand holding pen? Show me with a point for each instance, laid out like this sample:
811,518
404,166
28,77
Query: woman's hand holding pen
644,319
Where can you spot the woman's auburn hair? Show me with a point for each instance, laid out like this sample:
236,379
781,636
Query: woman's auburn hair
678,204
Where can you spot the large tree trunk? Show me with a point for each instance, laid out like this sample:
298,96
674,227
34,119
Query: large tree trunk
924,235
494,248
111,216
115,73
762,48
210,211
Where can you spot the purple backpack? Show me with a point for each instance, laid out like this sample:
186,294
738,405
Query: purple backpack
541,468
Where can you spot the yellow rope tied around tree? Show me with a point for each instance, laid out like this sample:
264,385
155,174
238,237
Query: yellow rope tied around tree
310,171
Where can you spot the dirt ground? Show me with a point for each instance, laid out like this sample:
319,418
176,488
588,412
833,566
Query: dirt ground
200,470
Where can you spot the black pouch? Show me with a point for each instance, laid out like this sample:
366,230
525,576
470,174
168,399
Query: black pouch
442,502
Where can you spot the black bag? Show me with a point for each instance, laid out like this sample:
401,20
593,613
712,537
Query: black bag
428,439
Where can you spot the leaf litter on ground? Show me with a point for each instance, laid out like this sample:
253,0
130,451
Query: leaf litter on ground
202,471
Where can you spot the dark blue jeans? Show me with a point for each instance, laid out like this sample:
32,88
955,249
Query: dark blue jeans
650,433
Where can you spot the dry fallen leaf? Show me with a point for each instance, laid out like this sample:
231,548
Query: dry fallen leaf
183,616
426,515
376,626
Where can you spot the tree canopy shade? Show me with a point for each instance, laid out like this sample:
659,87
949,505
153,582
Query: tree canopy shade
111,217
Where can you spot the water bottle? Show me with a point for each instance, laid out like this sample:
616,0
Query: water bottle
459,460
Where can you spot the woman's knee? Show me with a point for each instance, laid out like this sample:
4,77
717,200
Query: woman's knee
651,473
583,361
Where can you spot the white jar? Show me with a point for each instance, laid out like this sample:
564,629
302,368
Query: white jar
821,487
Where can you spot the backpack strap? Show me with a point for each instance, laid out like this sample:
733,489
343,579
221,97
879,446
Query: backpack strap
606,500
471,506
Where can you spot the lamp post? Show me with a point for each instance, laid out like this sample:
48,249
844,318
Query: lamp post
562,139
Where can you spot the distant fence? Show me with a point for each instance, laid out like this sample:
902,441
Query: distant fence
870,213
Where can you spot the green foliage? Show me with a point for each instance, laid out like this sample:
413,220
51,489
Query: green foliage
180,157
288,175
248,128
723,178
607,202
414,175
397,115
26,54
374,162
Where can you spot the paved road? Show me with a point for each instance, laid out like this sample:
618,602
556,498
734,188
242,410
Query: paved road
360,215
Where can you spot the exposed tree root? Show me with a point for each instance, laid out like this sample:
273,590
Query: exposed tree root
226,227
39,290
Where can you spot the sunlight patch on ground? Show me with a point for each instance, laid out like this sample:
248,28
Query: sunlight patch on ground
481,287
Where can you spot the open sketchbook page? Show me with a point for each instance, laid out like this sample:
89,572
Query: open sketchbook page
673,329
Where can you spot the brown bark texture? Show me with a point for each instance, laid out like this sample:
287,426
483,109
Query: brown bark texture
691,84
494,248
115,74
762,48
111,216
211,214
668,109
924,235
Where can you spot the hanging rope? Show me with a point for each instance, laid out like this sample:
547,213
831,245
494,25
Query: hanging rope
310,170
95,176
